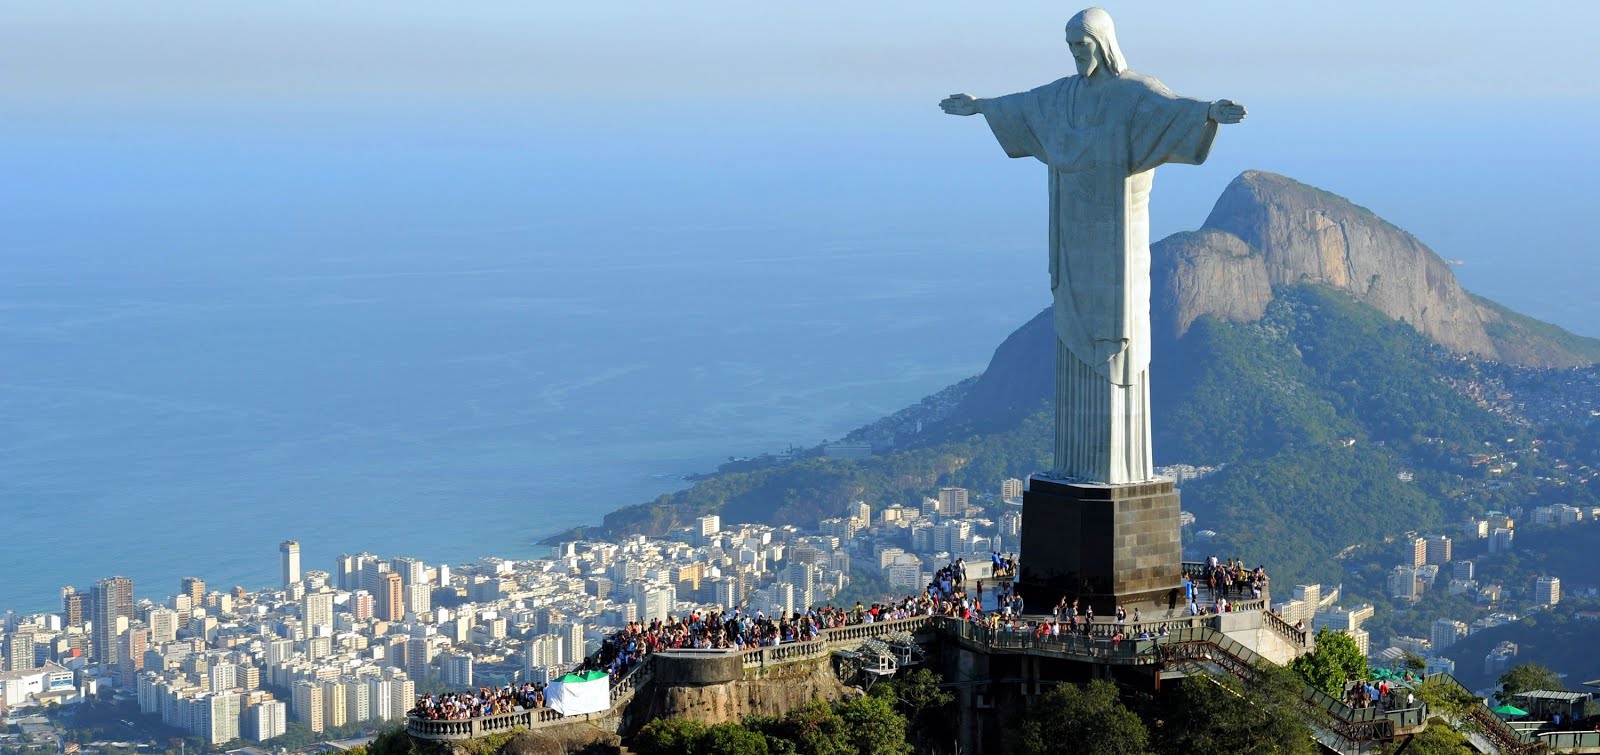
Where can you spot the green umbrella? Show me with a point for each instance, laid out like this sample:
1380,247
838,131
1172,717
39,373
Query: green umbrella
1383,673
583,676
1509,710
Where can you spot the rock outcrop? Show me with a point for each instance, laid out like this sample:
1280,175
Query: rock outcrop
772,692
1306,235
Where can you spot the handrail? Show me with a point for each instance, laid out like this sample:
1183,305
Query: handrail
1295,636
1503,736
1569,740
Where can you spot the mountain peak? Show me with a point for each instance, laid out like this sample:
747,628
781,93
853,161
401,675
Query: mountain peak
1267,231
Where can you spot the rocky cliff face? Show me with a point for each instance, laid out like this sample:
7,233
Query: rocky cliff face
1265,232
1306,235
772,692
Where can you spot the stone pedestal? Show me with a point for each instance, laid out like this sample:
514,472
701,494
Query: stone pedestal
1102,544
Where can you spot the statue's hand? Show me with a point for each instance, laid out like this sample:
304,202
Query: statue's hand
1226,111
959,104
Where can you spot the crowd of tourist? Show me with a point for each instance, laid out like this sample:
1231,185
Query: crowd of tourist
1382,695
487,701
946,595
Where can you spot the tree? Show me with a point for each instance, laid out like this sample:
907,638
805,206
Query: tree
816,729
1525,677
733,739
875,728
670,736
1223,715
1336,660
922,701
1088,720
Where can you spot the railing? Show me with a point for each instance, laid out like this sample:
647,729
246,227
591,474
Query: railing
827,640
1295,636
471,728
622,689
1570,740
1097,648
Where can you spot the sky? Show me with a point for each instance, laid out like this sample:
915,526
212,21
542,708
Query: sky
1465,122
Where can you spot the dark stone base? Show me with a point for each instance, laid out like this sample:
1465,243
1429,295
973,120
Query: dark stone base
1105,545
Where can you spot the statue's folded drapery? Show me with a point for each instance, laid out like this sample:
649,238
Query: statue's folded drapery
1101,141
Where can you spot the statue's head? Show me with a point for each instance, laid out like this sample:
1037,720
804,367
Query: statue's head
1094,43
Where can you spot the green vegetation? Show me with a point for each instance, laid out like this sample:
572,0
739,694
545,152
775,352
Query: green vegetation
862,726
1518,326
925,705
1336,660
1223,715
1553,639
1524,678
1070,719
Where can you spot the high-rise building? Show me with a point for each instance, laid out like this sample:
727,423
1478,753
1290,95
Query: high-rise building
544,650
346,572
362,605
391,598
1439,550
1011,527
710,524
403,693
1348,621
316,610
572,642
1501,540
289,556
195,588
1462,570
419,654
1547,590
372,570
952,501
306,700
419,598
130,656
20,652
409,569
1445,633
163,624
334,712
265,720
110,599
861,512
458,670
1419,551
73,611
222,718
654,601
1403,582
378,699
1010,489
357,700
223,677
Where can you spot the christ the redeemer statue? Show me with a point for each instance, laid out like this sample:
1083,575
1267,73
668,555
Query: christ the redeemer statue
1102,133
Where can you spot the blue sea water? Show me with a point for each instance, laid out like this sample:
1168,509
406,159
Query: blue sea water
449,336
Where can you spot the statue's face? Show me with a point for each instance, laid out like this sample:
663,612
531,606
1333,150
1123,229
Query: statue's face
1085,51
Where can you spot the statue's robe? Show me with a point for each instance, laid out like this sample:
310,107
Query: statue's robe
1102,142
